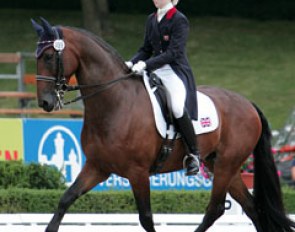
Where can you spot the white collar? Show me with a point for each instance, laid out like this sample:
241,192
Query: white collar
167,7
162,11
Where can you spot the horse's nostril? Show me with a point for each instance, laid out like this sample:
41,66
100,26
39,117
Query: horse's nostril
46,106
46,102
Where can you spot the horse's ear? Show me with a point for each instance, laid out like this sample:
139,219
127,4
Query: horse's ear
46,26
37,27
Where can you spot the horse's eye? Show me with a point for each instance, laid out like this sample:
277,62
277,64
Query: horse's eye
47,57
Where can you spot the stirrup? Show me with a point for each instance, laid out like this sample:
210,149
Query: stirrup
188,156
195,159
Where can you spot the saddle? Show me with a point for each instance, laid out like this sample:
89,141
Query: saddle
208,119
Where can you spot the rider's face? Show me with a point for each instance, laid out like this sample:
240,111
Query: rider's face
161,3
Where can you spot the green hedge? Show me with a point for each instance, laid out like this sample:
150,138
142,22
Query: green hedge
41,201
33,188
33,176
45,201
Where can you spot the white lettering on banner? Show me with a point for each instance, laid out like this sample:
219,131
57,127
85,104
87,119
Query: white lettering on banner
116,181
179,180
174,180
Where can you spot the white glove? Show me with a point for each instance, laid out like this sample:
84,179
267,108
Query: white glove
129,64
139,67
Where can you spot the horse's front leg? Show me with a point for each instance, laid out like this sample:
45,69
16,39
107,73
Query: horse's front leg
140,184
87,179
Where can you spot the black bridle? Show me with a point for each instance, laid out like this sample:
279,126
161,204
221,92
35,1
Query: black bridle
60,81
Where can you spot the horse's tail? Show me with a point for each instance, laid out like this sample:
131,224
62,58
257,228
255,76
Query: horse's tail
267,190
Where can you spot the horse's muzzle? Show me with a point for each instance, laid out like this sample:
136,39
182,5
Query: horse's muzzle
47,102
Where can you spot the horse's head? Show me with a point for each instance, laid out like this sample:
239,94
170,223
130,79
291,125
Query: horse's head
53,72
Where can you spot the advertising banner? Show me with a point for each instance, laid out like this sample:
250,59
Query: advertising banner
11,139
57,142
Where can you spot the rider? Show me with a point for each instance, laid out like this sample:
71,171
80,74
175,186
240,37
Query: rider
163,52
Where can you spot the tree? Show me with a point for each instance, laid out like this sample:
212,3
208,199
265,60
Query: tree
95,15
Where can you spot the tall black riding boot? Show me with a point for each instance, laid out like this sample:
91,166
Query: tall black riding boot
191,161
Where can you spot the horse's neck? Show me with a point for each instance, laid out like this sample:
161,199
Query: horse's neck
96,68
99,68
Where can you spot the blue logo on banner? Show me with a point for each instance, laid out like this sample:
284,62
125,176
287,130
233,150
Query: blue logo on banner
57,142
52,151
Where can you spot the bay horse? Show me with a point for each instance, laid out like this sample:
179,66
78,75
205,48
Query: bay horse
119,133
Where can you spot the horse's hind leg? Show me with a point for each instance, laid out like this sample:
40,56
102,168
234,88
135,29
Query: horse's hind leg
240,193
140,184
216,206
87,179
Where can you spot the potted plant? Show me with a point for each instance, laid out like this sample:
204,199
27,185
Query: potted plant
247,172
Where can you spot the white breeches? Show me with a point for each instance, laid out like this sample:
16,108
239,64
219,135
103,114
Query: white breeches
175,87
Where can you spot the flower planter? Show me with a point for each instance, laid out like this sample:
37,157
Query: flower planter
248,179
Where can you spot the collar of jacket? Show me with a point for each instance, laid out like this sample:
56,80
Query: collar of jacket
170,13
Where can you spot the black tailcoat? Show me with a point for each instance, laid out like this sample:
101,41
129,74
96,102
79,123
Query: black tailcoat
165,43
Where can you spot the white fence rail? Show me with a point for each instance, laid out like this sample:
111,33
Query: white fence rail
122,222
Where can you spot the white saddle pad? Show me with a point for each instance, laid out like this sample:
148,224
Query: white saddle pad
208,119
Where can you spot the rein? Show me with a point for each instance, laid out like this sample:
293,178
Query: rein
101,88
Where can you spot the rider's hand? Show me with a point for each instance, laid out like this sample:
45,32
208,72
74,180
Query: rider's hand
129,64
139,67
